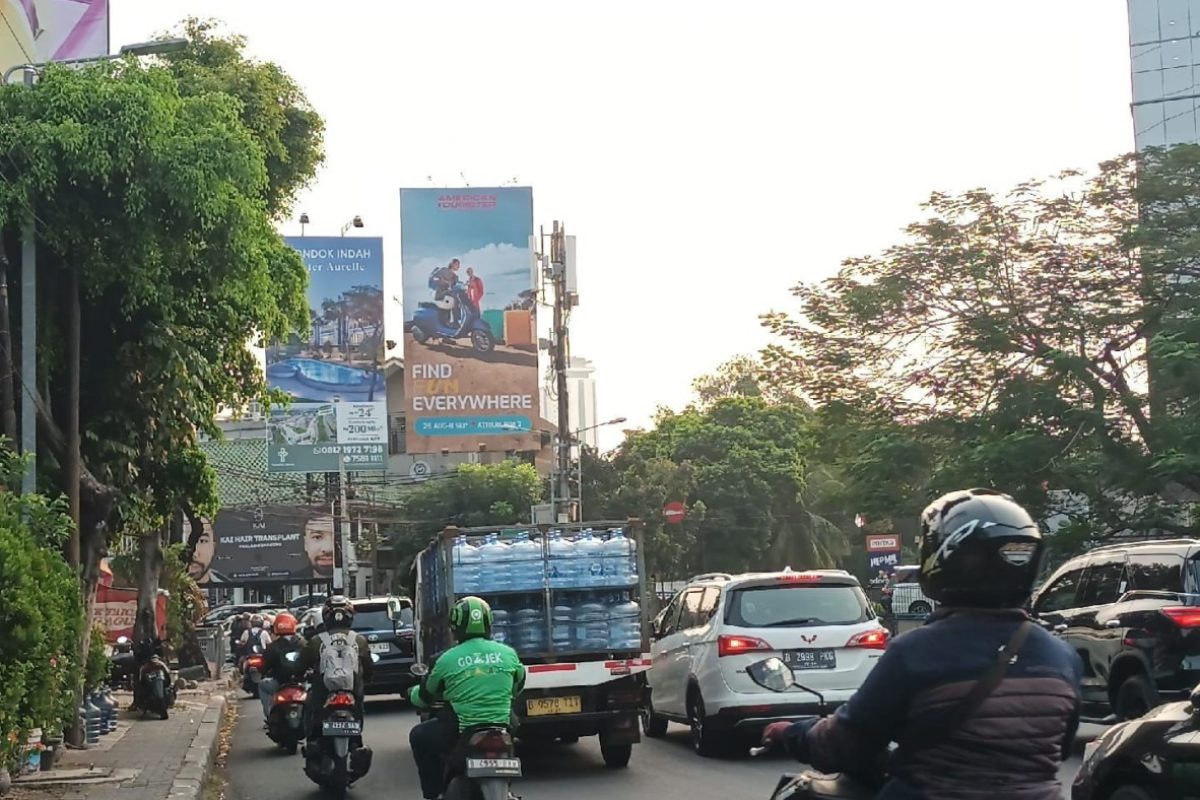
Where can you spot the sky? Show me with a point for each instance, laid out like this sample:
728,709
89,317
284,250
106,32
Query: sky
708,156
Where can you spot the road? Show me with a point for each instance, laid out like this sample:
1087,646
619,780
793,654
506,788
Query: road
660,768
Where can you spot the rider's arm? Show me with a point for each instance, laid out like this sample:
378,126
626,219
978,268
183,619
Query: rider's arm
364,656
858,734
429,691
310,655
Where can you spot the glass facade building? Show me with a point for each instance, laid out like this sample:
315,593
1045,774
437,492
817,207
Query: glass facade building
1164,49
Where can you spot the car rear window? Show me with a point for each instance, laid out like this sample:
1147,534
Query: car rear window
909,575
796,606
371,618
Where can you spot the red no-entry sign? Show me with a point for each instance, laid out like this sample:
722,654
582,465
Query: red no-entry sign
674,513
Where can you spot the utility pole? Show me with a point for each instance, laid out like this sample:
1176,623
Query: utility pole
562,349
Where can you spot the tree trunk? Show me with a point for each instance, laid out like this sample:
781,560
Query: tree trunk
8,407
150,549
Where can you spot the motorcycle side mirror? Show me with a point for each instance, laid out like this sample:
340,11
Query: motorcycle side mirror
419,670
772,674
122,640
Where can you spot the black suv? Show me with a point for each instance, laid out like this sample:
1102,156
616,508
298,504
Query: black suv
393,643
1132,612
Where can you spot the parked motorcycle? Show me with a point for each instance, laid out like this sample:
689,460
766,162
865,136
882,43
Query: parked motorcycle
252,670
428,323
341,758
154,681
776,676
122,665
1145,758
285,721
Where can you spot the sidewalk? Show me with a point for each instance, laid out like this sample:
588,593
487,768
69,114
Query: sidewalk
147,759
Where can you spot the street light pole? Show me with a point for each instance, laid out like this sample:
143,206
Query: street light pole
574,439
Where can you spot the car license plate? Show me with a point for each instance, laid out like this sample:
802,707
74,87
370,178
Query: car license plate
810,659
381,647
493,767
544,706
341,727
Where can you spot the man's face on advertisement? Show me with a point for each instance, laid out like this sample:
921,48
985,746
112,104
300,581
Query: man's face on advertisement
203,555
318,545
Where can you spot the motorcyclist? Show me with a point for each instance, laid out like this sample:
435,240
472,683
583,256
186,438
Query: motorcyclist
277,669
477,678
256,634
337,617
146,650
237,627
980,555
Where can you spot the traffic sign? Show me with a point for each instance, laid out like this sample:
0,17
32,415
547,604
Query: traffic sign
674,513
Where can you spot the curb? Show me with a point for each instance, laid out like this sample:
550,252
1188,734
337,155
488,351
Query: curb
189,783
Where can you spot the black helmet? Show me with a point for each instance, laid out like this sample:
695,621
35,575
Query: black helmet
979,549
338,613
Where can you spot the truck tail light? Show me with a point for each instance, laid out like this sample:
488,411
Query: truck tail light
738,645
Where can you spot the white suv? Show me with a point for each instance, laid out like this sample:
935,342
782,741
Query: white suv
820,623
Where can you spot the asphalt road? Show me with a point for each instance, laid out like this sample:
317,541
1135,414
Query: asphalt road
258,770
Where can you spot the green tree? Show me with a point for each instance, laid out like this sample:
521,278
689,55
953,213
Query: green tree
1045,338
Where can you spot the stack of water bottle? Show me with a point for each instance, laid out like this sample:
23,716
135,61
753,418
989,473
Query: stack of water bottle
582,573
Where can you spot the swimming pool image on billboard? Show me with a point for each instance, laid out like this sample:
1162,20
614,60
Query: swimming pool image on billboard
300,377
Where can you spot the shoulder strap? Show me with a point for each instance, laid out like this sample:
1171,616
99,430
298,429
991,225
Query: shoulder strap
950,723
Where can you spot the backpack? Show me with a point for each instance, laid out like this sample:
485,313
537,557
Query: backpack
339,660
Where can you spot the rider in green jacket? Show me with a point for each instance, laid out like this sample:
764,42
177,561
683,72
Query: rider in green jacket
477,678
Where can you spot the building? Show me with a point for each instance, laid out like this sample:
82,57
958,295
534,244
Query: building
1164,55
240,461
581,387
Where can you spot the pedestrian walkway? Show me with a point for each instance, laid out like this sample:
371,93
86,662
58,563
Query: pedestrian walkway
148,759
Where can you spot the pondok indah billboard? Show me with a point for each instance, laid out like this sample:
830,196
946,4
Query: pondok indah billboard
470,334
335,375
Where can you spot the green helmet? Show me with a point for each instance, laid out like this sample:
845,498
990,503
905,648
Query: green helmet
471,618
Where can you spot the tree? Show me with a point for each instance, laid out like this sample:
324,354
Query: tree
742,467
1025,342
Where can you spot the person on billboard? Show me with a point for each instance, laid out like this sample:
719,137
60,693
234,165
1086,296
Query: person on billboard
444,283
474,288
318,548
200,567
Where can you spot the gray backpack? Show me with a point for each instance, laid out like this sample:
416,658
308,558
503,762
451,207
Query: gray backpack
339,660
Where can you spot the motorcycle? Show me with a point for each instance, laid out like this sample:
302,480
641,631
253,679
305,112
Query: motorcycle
483,762
252,670
776,676
122,665
285,722
339,757
1144,758
428,322
154,679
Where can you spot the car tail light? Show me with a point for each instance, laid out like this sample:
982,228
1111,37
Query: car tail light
290,694
737,645
876,639
340,700
1183,616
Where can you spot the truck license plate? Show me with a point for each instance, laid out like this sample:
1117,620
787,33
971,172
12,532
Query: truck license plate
341,727
493,767
544,706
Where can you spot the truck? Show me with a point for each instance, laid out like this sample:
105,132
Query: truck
572,600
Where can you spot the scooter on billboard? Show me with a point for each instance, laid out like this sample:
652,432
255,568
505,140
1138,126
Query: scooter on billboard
429,322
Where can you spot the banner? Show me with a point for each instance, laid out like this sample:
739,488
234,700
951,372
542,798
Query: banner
116,610
277,544
335,376
883,552
37,31
470,338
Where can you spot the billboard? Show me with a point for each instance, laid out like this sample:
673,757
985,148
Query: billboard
277,544
116,610
37,31
883,553
470,334
335,375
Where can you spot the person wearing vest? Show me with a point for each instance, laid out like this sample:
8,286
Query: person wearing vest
277,669
337,617
982,702
477,678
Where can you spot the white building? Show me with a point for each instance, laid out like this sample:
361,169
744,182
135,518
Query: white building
581,387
